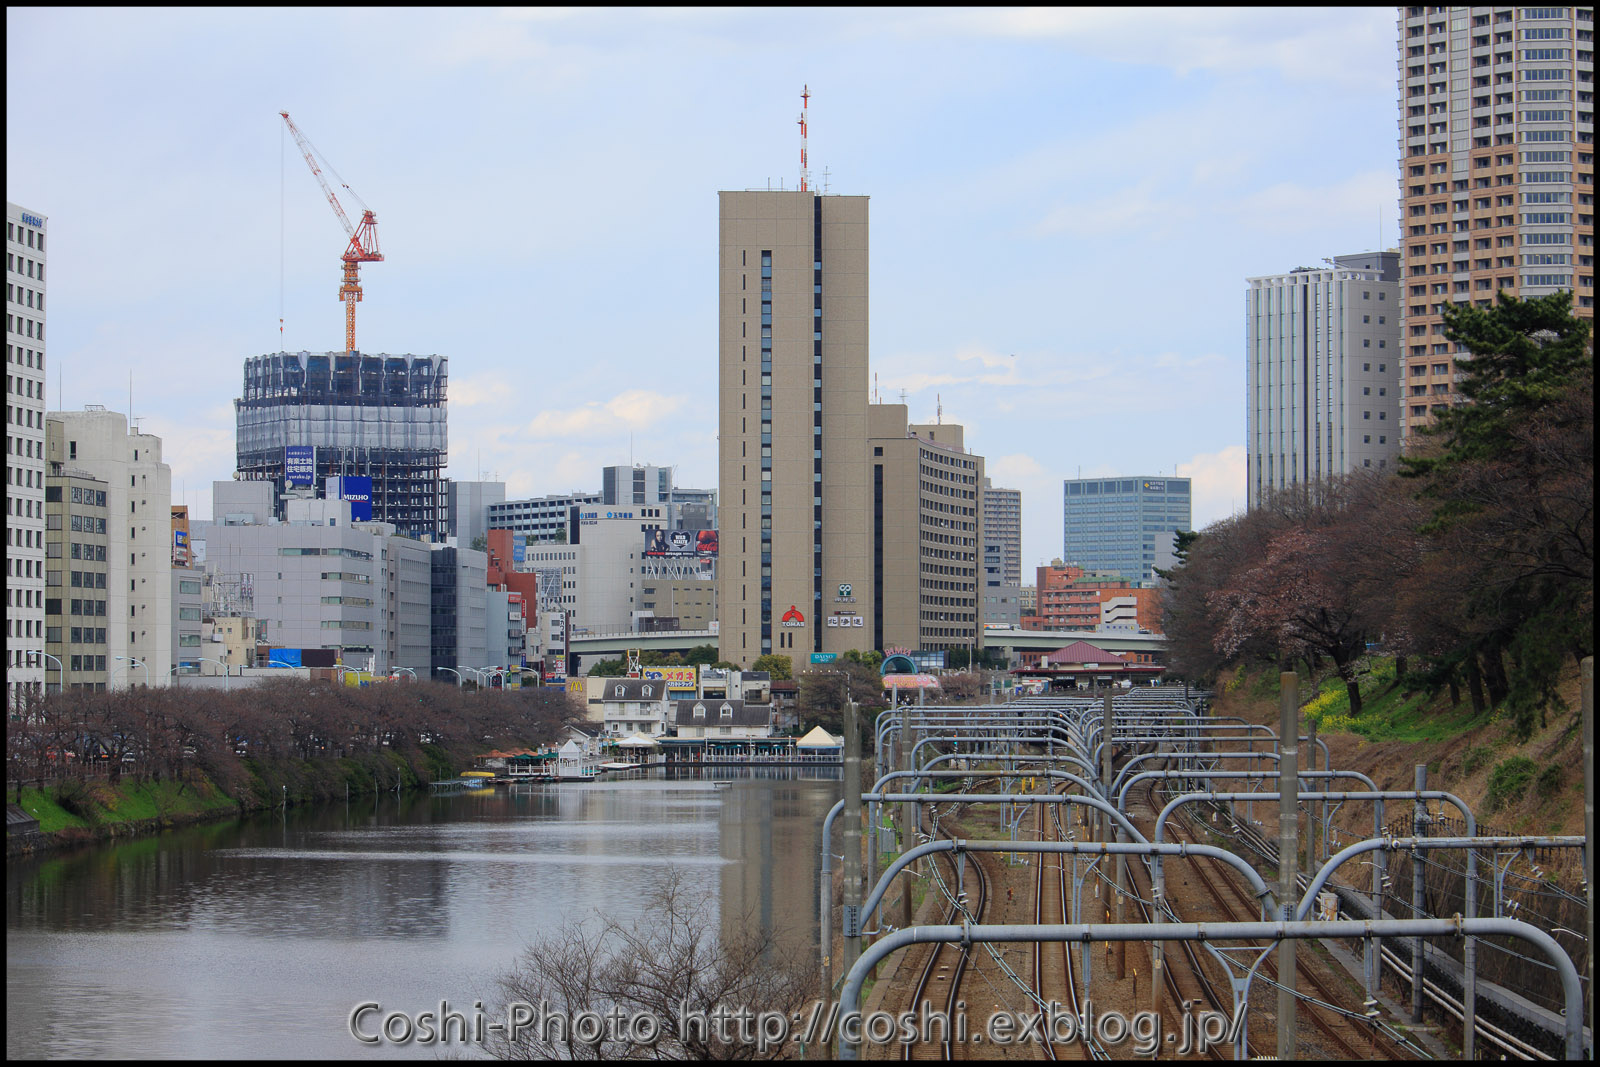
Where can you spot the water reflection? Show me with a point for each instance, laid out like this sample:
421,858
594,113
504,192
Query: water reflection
255,938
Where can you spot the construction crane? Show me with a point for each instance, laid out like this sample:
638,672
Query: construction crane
363,246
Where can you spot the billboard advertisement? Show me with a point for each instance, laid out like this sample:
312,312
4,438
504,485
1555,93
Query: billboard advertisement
680,543
357,490
678,679
300,465
519,548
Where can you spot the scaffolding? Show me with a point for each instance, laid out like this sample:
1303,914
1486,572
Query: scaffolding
376,416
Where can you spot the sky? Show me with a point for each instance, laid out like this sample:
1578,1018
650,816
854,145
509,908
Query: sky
1065,205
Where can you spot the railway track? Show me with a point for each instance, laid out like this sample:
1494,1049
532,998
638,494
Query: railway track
1053,978
947,964
1196,987
1345,1038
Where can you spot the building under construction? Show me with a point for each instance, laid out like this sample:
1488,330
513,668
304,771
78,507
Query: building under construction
307,417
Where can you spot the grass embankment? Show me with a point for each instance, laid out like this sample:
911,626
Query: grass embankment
1534,786
84,807
73,810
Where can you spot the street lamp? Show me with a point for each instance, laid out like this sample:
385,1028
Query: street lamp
491,670
459,680
396,672
133,661
280,663
476,674
341,668
61,671
224,666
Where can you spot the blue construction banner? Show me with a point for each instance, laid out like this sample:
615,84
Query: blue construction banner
300,465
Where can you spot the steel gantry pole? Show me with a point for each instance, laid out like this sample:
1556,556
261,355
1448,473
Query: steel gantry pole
1586,709
1419,824
1288,851
852,836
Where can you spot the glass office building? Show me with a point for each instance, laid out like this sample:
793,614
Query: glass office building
1123,526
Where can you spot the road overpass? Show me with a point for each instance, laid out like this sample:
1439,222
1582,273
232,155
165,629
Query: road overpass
590,648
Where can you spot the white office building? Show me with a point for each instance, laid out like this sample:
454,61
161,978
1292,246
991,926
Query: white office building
139,620
1322,371
25,467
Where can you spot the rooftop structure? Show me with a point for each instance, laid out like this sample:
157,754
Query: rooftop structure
305,417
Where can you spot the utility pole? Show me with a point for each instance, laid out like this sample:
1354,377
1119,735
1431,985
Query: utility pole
1586,709
1419,826
852,838
1288,852
1119,953
909,827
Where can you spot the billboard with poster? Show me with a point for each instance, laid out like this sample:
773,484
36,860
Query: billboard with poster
680,543
357,490
300,465
678,679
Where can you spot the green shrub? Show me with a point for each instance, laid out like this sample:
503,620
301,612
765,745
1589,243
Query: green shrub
74,798
1509,781
1550,781
1476,759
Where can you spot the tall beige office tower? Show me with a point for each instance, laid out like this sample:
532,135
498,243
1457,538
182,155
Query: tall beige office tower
795,495
1496,173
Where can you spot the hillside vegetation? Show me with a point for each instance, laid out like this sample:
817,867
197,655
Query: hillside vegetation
1472,566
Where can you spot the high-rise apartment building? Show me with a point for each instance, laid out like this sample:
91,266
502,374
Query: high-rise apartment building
1002,525
926,523
98,444
1496,127
25,460
1322,355
377,421
793,468
1124,526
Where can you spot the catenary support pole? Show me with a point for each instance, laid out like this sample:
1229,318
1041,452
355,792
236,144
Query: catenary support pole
1586,705
909,829
1419,827
1122,861
1288,851
852,835
1313,855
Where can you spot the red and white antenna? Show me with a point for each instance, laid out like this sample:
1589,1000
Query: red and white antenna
805,172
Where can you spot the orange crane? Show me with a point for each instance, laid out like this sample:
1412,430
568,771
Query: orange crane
363,246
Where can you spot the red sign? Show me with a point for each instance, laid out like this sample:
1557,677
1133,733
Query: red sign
792,617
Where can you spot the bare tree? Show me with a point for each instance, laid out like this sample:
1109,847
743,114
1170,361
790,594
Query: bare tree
670,966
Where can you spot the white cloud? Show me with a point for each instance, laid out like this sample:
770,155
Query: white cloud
1357,204
1217,484
632,410
1340,45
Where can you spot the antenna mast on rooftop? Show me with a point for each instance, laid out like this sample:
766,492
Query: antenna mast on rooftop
805,172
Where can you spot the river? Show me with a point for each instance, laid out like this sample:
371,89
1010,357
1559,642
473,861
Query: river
256,938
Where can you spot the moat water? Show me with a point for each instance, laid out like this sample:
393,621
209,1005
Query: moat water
256,938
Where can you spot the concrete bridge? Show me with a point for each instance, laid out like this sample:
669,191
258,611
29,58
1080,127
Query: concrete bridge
590,648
